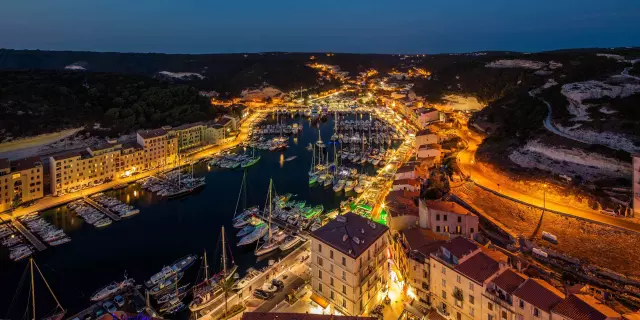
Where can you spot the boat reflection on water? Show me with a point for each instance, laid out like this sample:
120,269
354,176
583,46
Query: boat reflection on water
281,160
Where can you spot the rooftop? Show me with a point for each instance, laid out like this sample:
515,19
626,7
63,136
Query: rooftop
153,133
405,169
509,281
223,121
539,293
424,132
447,206
66,155
297,316
188,126
352,226
460,246
479,267
25,164
412,182
581,306
422,240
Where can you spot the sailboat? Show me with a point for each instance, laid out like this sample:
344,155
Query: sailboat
207,291
271,243
58,313
312,175
251,161
334,137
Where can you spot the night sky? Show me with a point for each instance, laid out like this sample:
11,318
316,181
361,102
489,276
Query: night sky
212,26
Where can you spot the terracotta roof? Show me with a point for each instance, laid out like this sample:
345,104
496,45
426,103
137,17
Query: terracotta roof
153,133
479,267
447,206
509,281
584,307
405,169
333,234
539,293
412,182
424,241
424,132
297,316
460,246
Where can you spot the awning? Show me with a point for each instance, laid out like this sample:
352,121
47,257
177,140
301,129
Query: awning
319,300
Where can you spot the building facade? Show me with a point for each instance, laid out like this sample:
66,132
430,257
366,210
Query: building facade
447,217
73,171
460,273
20,181
349,263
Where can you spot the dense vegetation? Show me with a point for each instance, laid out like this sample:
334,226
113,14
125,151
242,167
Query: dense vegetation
35,102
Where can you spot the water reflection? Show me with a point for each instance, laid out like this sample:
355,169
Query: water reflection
281,160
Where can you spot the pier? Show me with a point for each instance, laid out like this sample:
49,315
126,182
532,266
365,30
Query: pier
28,235
102,209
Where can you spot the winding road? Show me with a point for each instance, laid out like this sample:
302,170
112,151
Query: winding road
508,190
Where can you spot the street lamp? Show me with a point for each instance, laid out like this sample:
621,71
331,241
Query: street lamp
544,197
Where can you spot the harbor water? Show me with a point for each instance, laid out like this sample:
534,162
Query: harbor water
164,230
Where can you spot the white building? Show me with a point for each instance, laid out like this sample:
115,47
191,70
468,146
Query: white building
447,217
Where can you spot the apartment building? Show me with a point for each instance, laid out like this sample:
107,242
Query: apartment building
191,135
72,171
412,250
425,137
20,181
428,115
460,272
534,299
447,217
160,148
349,263
583,307
407,171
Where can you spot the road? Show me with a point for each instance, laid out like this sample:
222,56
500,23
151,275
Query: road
292,275
49,201
507,189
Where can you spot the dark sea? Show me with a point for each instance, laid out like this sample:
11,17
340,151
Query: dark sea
164,230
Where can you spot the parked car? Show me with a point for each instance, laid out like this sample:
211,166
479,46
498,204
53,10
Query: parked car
261,294
109,306
119,300
278,283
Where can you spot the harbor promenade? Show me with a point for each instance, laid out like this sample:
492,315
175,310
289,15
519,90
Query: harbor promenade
289,270
50,201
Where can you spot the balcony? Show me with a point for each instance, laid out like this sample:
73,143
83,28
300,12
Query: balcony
499,298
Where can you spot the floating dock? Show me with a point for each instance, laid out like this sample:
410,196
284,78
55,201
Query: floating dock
28,235
102,209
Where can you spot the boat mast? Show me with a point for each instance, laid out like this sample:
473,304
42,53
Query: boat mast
242,187
224,254
270,196
33,291
206,266
48,287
